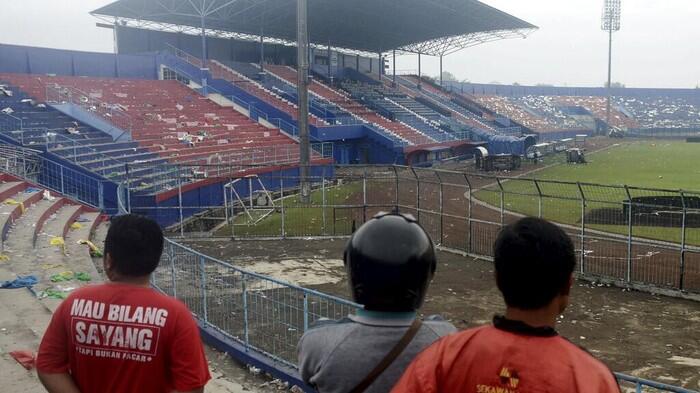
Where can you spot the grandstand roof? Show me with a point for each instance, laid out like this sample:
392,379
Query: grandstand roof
433,27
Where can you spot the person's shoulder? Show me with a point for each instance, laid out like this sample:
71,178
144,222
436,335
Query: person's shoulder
439,325
325,330
586,359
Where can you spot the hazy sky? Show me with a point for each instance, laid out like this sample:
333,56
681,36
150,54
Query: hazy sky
659,45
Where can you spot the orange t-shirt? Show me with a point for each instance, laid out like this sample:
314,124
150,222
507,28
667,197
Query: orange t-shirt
509,357
124,338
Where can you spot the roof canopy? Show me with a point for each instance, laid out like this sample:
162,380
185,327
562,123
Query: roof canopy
433,27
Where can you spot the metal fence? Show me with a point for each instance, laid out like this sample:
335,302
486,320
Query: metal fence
269,316
28,164
643,238
266,315
259,312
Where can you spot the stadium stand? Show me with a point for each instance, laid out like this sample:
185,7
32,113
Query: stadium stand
172,123
597,107
660,111
395,129
246,75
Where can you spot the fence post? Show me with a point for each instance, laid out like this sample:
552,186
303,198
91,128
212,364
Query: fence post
396,191
62,185
128,187
364,195
244,293
179,202
417,193
539,198
628,274
101,195
323,200
582,269
173,274
282,203
440,207
469,214
683,234
202,267
306,312
503,206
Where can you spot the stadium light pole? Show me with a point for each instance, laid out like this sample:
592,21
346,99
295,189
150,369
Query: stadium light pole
303,95
610,22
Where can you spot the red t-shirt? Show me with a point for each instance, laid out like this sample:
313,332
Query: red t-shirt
504,360
124,338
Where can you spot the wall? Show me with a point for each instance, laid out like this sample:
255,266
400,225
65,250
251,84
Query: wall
31,60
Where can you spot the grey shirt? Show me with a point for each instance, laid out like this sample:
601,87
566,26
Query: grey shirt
335,356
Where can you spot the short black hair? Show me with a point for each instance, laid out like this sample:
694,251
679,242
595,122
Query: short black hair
534,260
135,244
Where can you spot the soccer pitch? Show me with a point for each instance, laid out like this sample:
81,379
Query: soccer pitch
671,165
657,164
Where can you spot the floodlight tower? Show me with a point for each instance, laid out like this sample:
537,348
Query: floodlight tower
610,22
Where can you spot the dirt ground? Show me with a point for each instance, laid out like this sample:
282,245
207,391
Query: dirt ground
653,337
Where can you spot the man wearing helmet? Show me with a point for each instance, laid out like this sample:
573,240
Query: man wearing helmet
390,262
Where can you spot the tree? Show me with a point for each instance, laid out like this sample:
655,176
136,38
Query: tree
447,77
615,85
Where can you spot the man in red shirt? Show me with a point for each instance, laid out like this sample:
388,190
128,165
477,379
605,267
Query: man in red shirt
123,336
521,351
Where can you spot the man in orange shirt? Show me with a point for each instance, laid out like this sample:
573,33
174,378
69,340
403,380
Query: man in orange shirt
521,351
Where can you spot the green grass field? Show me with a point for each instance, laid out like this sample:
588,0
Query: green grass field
301,219
655,164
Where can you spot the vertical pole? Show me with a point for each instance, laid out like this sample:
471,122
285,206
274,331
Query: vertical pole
380,67
393,66
419,80
683,240
364,196
441,71
607,109
303,100
203,70
244,293
226,206
469,214
628,274
62,183
203,285
179,202
440,206
282,203
128,188
173,272
582,267
415,175
503,204
329,59
262,51
306,311
396,193
323,200
539,199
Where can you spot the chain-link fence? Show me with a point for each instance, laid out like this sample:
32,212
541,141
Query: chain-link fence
636,237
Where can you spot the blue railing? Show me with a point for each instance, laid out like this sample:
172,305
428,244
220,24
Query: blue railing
261,314
265,315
